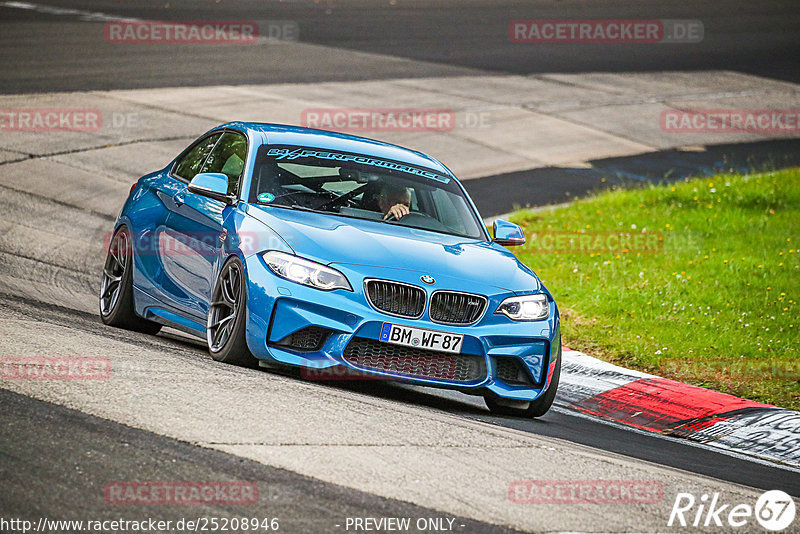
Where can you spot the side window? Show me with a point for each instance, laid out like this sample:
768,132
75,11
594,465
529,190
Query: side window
228,158
190,163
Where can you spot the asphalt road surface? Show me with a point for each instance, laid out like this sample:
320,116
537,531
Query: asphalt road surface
55,460
554,185
42,49
71,487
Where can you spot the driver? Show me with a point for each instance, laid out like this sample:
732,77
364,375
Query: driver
394,201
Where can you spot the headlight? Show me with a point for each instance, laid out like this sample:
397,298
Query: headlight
306,272
525,308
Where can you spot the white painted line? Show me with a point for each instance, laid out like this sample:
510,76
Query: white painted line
583,376
771,434
88,16
683,441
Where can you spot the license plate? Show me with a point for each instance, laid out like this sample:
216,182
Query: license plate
421,338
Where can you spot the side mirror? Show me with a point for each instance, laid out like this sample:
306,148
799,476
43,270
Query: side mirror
507,234
212,185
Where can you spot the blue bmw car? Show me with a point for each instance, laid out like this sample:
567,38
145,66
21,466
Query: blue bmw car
288,246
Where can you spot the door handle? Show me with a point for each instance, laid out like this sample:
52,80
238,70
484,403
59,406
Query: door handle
179,198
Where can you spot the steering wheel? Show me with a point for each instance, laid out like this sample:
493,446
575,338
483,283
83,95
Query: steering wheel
411,217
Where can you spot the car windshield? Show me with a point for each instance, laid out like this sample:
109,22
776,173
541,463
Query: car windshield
363,187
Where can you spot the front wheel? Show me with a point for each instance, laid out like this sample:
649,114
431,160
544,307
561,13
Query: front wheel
536,408
225,329
116,287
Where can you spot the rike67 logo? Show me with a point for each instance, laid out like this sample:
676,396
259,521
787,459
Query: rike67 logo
774,510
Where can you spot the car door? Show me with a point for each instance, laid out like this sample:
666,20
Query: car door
171,191
148,222
195,228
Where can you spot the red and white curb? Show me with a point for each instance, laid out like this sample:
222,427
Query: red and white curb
654,404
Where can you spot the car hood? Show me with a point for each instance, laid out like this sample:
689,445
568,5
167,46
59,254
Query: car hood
331,239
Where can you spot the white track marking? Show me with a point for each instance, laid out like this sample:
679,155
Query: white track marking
683,441
583,376
88,16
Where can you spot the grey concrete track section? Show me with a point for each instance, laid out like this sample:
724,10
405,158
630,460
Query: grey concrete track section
365,449
100,453
60,194
397,450
499,124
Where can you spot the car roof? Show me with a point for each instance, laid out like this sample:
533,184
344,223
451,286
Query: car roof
283,134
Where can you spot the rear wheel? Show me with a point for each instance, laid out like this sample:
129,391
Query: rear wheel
225,329
536,408
116,287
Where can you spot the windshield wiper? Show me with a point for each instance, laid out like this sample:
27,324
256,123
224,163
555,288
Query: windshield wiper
297,207
304,208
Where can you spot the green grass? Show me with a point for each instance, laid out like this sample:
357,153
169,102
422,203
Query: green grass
718,298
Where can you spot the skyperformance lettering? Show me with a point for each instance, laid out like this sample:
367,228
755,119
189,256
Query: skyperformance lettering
292,154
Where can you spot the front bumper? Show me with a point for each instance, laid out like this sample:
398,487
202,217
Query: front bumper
278,308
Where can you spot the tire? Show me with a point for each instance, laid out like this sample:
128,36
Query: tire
536,408
116,287
227,317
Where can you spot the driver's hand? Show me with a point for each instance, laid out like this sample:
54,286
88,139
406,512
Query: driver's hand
398,211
